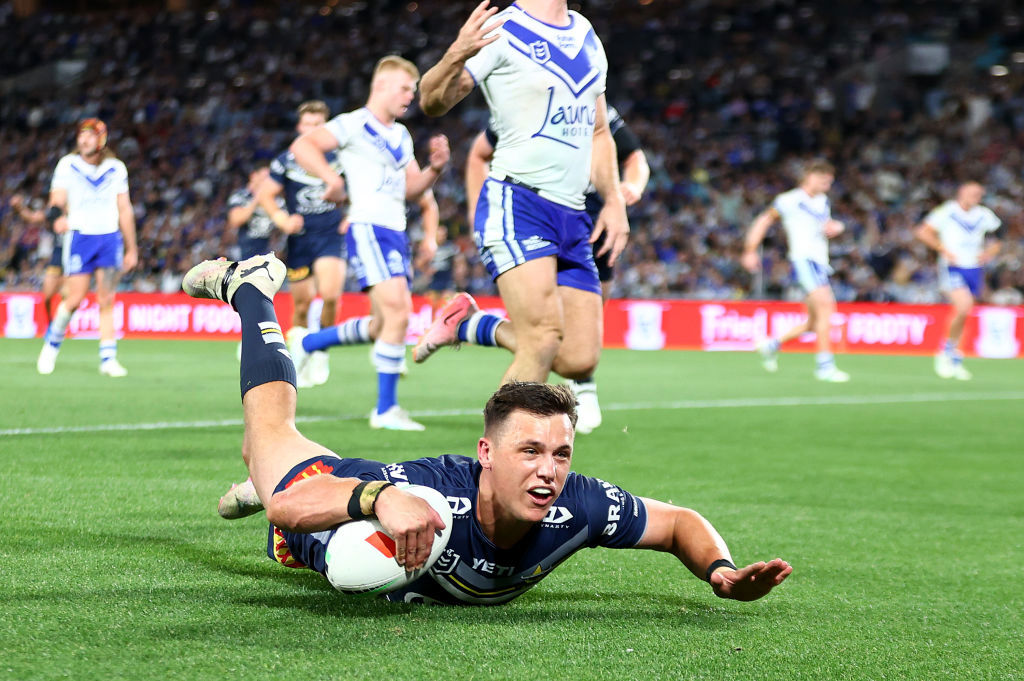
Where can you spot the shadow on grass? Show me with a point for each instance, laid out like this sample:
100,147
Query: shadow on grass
314,596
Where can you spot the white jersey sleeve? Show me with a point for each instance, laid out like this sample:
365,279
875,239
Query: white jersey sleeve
803,218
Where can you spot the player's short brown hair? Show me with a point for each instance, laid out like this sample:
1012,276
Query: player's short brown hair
313,106
393,62
540,399
819,165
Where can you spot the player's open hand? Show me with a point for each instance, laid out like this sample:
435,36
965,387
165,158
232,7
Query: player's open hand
474,35
751,261
751,582
413,524
613,222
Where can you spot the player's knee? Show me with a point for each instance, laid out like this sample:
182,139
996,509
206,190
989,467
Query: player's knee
577,365
541,339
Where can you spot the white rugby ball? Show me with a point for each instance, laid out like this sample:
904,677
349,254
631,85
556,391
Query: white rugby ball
361,555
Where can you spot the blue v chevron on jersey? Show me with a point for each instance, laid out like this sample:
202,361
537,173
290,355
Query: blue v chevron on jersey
578,72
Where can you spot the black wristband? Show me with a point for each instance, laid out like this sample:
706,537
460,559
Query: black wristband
721,562
354,510
373,506
52,213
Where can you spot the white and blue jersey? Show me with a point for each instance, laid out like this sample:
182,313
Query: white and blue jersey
803,218
254,235
962,233
472,570
541,83
93,239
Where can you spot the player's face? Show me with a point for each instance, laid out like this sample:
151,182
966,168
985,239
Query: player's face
529,463
399,89
309,122
88,142
970,195
820,182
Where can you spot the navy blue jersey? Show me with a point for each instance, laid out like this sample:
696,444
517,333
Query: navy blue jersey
303,192
472,570
259,226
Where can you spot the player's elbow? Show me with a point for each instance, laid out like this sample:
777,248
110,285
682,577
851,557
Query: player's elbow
287,512
432,105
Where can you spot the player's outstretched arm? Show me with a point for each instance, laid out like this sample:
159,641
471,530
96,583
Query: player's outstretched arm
446,83
693,540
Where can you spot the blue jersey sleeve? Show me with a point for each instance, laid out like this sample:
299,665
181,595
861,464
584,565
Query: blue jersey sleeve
616,519
278,168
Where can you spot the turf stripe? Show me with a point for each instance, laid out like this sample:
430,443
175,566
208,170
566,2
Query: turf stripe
733,403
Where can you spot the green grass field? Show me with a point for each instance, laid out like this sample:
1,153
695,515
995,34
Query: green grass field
898,498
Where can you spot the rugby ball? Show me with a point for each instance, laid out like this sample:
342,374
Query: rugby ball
360,555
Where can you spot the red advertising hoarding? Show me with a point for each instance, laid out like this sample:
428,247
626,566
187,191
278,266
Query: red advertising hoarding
636,324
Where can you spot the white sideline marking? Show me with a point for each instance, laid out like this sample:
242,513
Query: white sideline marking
733,403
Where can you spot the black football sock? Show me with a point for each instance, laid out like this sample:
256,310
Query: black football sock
265,356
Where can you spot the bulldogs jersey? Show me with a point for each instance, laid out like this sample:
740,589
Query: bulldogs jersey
374,157
803,218
92,192
962,232
541,83
303,193
472,570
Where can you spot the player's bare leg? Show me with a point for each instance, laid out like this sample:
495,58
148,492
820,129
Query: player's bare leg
391,305
107,279
75,288
580,352
949,362
531,297
303,291
821,304
329,275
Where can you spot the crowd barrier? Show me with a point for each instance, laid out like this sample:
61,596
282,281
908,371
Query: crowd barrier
636,324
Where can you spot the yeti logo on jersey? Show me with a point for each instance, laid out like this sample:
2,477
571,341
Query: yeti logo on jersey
558,515
460,505
310,200
539,51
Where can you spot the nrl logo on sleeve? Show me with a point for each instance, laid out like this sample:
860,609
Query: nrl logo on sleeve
540,51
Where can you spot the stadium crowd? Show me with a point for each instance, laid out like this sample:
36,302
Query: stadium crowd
727,98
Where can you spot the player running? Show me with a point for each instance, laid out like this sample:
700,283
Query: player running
959,230
316,247
542,70
376,155
91,209
518,511
807,218
635,174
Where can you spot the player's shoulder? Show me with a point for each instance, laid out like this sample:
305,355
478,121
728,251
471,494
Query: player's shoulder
788,197
446,472
66,160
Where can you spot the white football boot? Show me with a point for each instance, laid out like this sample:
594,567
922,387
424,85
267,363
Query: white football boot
943,365
113,368
299,356
769,355
959,372
220,279
831,375
588,411
319,367
394,418
47,359
239,501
